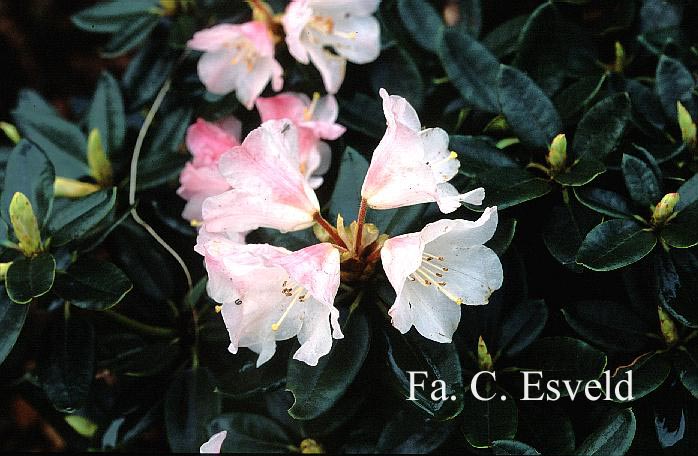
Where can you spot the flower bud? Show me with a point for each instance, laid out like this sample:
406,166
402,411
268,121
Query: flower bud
100,168
64,187
668,327
557,154
3,270
310,446
687,125
25,224
665,208
169,7
484,359
10,131
619,64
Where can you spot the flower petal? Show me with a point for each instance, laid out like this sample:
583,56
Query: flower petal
213,445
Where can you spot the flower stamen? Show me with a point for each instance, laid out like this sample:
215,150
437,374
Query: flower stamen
296,294
310,110
431,274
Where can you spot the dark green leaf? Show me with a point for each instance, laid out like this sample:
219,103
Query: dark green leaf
29,278
67,370
346,195
674,82
688,193
678,279
248,433
613,436
581,173
648,373
500,242
521,326
471,68
409,85
529,112
410,433
109,16
503,40
423,27
12,318
686,365
508,187
562,235
549,426
62,141
317,388
563,358
578,95
641,181
130,35
681,231
106,113
602,127
487,421
512,447
604,201
363,114
134,356
615,244
190,404
478,154
413,353
147,72
28,171
608,325
76,218
92,284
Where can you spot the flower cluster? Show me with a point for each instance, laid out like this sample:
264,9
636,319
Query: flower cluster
268,293
328,33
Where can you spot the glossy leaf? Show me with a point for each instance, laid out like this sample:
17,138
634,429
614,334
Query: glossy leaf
397,61
490,420
109,16
130,34
29,172
528,110
613,436
29,278
512,447
604,201
423,27
317,388
580,173
92,284
641,181
681,231
362,113
508,187
649,372
190,404
249,433
106,113
471,68
615,244
602,127
478,154
674,83
12,317
68,366
77,218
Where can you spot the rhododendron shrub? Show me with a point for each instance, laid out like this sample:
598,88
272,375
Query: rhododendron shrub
363,226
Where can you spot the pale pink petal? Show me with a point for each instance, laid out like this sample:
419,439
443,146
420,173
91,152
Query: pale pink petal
213,445
214,38
342,7
401,256
288,105
207,141
197,184
297,15
268,189
332,68
317,268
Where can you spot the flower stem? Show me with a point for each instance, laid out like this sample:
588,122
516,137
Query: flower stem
138,326
332,231
360,226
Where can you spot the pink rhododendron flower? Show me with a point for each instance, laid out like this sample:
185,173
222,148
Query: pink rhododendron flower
315,120
237,57
439,268
269,293
268,188
411,165
200,177
347,27
214,444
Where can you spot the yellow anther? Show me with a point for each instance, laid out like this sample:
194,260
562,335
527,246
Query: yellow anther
218,309
310,110
453,155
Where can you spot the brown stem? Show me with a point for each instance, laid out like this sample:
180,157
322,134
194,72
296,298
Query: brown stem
332,231
360,226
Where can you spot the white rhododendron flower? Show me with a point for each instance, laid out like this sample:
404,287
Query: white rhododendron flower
345,26
315,120
237,57
267,186
269,293
200,178
411,165
214,444
436,270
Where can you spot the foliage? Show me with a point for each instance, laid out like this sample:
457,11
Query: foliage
597,237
